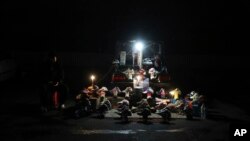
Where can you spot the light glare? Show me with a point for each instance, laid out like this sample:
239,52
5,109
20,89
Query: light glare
92,77
139,46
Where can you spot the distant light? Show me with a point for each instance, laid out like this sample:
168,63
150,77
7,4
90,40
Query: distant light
139,46
92,77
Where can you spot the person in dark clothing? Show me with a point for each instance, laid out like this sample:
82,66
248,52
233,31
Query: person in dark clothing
53,76
157,62
53,69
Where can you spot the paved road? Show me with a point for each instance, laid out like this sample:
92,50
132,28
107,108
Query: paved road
31,127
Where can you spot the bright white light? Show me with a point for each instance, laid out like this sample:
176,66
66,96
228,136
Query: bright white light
139,46
92,77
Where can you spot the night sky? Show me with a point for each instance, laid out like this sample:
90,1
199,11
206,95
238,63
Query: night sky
197,27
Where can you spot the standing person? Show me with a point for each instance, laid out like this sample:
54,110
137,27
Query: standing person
53,68
53,76
157,62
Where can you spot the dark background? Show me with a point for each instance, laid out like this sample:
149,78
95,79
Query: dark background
206,42
197,27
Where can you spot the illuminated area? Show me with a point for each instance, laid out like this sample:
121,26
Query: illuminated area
92,77
135,56
172,92
138,82
138,54
138,77
175,93
139,46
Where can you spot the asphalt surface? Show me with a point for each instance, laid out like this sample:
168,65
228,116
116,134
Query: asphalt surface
21,119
